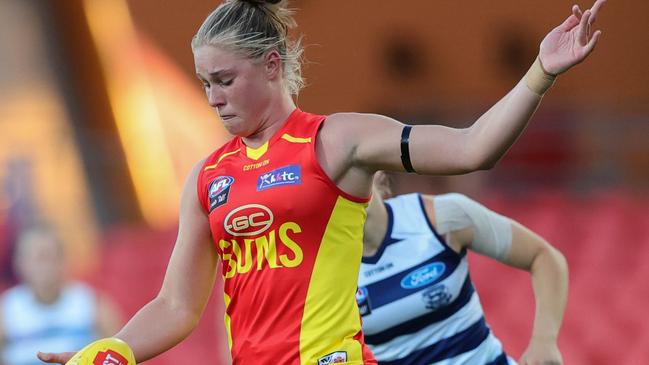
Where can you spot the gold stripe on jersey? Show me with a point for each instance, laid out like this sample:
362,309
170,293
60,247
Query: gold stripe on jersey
221,158
293,139
331,314
226,319
256,153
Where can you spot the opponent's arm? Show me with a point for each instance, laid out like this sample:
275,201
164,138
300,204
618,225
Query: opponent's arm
468,224
375,140
175,312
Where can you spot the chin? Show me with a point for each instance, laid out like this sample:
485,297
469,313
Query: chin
235,127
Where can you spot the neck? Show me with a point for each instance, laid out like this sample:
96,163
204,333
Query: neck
273,121
376,225
47,295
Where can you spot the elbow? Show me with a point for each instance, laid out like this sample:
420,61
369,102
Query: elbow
560,261
554,261
186,316
478,162
486,164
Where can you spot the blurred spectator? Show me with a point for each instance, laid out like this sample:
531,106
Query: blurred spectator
46,312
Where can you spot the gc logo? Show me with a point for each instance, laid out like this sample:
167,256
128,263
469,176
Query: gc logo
248,220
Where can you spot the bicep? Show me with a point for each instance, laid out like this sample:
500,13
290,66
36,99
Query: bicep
526,246
192,267
433,149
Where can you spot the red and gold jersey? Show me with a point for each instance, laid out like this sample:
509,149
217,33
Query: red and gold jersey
290,243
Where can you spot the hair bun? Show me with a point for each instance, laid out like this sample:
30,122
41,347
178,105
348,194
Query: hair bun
261,2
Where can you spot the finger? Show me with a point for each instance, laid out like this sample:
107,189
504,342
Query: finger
582,35
45,357
593,42
576,11
595,10
569,23
48,357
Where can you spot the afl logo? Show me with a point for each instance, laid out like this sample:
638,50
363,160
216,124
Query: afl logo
220,184
248,220
423,276
219,191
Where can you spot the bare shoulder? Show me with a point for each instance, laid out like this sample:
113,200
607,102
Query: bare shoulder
190,194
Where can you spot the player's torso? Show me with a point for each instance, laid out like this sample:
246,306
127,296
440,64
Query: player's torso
416,296
270,214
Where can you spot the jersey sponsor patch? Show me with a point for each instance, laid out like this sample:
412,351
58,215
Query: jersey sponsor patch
337,357
363,301
287,175
423,276
219,190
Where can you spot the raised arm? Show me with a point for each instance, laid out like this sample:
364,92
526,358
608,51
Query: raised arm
375,141
468,224
175,312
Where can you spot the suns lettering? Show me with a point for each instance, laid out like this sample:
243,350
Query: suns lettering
272,250
266,251
290,244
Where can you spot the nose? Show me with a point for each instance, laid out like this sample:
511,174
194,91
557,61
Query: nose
216,97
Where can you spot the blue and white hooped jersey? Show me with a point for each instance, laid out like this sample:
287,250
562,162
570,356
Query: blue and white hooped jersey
417,299
29,326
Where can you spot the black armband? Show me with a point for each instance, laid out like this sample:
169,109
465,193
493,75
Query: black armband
405,148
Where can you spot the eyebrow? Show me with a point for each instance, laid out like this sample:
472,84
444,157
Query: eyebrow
217,74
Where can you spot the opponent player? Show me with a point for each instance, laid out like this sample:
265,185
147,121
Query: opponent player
283,202
418,304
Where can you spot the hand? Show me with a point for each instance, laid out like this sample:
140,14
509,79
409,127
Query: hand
571,42
55,358
541,353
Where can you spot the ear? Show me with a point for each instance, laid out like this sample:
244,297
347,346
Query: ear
382,184
273,64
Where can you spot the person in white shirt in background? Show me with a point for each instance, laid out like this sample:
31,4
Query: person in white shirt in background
45,311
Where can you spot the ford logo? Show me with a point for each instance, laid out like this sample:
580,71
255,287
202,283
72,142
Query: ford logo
423,276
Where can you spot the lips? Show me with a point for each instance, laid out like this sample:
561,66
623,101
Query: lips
227,117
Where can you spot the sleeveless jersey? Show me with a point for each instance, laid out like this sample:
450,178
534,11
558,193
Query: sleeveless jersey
416,297
30,326
290,244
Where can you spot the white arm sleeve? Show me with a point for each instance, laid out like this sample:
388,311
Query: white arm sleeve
492,231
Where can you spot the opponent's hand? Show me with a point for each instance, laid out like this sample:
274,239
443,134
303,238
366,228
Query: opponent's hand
541,353
55,358
571,42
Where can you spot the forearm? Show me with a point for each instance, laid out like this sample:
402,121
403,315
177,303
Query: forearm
550,282
157,327
497,129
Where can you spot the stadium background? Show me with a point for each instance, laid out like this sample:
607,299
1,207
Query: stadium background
101,119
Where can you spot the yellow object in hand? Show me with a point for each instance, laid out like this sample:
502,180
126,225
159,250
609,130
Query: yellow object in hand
107,351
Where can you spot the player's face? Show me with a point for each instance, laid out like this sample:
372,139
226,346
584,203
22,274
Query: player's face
238,88
40,262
